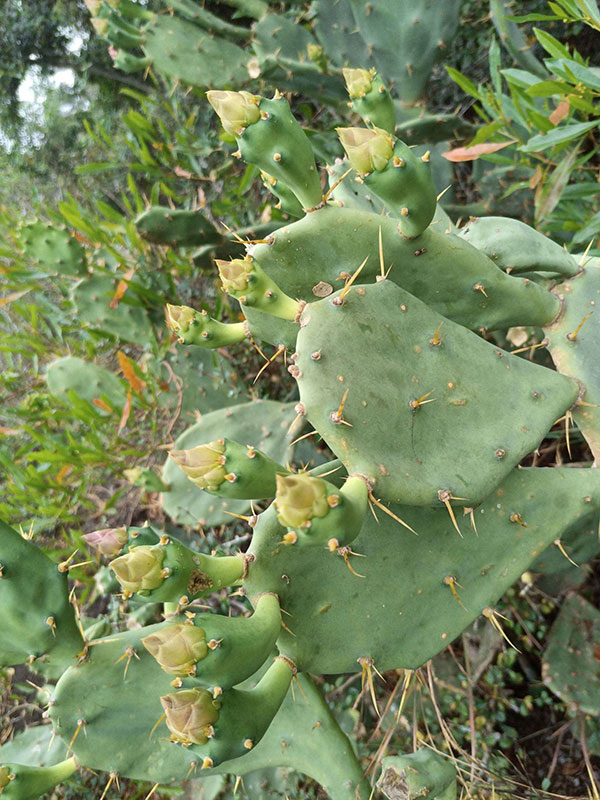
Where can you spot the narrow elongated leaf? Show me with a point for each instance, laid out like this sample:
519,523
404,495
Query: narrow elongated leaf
567,133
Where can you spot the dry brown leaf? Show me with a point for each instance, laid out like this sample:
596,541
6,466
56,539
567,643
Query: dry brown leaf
125,414
559,113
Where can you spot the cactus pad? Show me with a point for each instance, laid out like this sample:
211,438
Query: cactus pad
423,420
419,615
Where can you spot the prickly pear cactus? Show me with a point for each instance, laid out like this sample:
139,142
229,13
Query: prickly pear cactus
381,309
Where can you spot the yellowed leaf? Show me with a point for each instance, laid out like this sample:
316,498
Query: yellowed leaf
101,404
128,370
125,414
122,287
63,472
4,301
471,153
8,431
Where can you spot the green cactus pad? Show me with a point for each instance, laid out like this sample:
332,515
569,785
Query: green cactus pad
571,668
278,145
34,747
28,783
406,40
263,424
92,297
243,645
54,248
515,247
423,774
38,622
420,615
187,53
88,381
443,270
460,440
406,187
554,573
575,352
114,719
282,49
376,106
204,387
185,573
120,738
273,330
177,227
305,736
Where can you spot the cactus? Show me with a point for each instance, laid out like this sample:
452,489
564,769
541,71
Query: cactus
570,667
427,423
54,249
197,47
94,302
88,381
573,344
424,773
176,227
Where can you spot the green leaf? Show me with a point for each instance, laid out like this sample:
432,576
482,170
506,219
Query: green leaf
551,45
547,89
547,199
520,77
96,166
484,133
557,136
495,63
533,18
465,83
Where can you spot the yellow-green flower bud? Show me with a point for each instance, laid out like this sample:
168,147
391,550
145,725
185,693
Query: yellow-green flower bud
299,499
234,274
204,465
179,318
108,541
177,648
5,778
317,55
358,82
93,6
140,569
190,715
368,149
236,110
100,25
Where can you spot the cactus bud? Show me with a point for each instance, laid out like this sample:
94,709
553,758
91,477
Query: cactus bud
358,82
140,569
179,318
108,541
368,150
100,25
236,110
234,274
177,648
5,778
317,55
190,715
93,6
299,499
204,465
